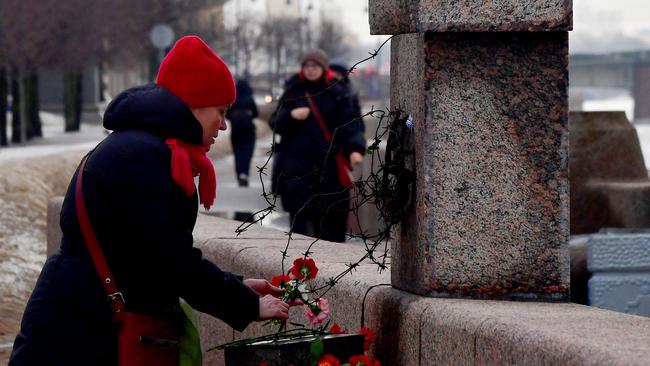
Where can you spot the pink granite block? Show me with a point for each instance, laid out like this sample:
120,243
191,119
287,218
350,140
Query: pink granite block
490,218
475,332
397,17
395,317
447,338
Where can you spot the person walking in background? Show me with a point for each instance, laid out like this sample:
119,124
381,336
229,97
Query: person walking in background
340,72
141,202
316,123
242,136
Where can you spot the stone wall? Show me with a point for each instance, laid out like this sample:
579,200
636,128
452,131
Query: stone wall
415,330
25,186
486,84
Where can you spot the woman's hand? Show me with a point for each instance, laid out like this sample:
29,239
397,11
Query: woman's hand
356,159
300,114
263,287
273,308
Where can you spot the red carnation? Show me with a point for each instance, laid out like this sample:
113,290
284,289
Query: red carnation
328,360
370,337
360,360
280,280
336,329
304,268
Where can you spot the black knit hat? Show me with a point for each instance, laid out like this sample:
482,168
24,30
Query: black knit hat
317,55
340,68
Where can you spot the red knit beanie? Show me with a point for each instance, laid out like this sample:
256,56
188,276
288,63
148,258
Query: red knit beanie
195,74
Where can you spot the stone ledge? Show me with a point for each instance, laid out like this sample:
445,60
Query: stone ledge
415,330
257,253
457,332
396,16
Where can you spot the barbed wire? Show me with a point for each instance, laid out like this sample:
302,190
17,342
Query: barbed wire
388,186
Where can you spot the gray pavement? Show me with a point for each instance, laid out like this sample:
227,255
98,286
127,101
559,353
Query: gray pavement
232,199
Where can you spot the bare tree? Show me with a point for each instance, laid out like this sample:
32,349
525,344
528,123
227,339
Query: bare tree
333,38
240,42
3,106
280,41
3,87
73,34
26,48
102,32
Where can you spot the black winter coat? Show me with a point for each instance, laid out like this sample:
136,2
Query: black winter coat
144,224
244,110
242,134
306,166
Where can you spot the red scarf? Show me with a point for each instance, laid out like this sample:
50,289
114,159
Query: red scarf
188,161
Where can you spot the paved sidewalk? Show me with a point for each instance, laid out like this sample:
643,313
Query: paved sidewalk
232,199
54,139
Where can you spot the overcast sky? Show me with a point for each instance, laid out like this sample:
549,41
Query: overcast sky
610,25
599,25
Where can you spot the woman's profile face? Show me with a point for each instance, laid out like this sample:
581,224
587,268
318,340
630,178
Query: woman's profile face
212,119
312,70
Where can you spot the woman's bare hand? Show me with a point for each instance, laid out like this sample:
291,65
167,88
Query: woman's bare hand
263,287
273,308
356,158
300,114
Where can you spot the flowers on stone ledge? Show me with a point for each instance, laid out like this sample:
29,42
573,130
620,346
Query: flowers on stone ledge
304,268
370,337
295,289
358,360
317,311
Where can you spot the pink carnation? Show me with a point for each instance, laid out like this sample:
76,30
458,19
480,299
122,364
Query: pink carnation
317,312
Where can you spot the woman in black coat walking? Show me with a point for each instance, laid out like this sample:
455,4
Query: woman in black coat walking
242,135
140,197
305,172
340,72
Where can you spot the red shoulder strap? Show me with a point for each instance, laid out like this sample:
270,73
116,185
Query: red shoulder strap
319,118
114,296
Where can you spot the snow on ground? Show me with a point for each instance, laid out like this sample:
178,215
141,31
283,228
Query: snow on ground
25,187
54,139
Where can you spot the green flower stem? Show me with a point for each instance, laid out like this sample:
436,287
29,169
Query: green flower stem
287,334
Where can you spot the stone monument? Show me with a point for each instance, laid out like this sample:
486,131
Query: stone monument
486,84
610,187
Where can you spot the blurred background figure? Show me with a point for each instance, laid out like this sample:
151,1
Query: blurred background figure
242,136
306,176
340,71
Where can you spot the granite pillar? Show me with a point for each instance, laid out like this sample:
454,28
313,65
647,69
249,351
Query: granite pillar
486,85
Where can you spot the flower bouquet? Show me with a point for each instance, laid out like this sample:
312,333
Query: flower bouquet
319,344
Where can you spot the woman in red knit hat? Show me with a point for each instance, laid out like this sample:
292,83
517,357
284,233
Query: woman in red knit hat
138,194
